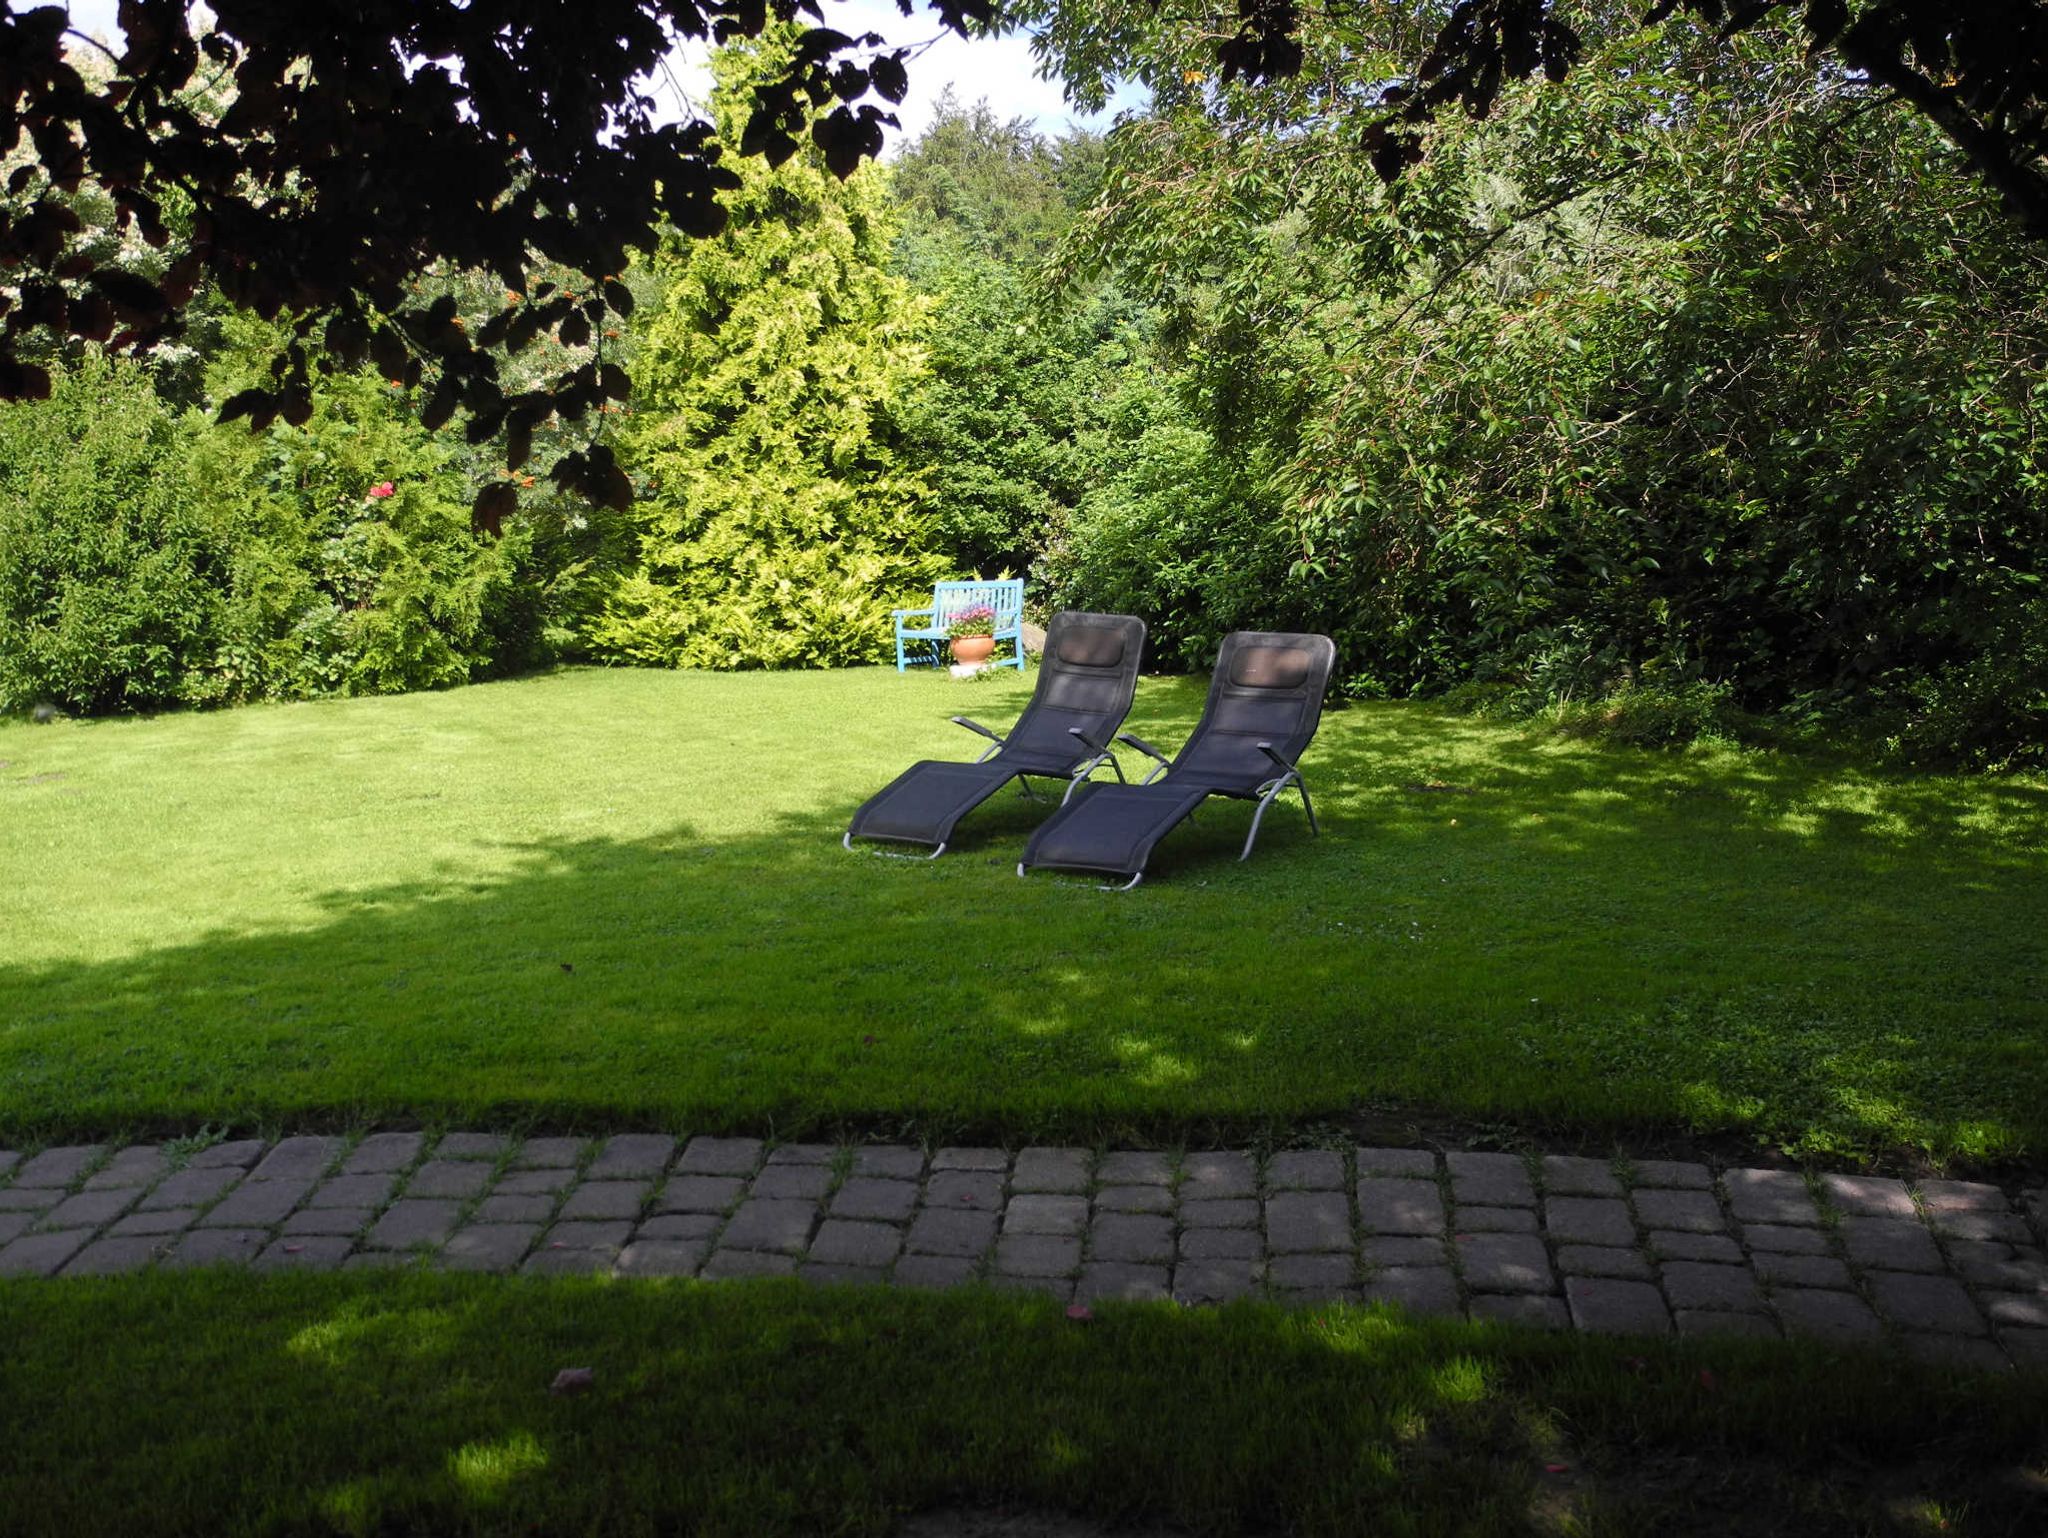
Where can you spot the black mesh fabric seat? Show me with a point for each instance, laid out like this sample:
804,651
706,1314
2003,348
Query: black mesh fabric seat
1264,705
1086,678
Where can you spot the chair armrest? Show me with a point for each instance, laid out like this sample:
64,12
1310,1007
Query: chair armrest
1142,746
1087,741
906,613
1273,753
974,726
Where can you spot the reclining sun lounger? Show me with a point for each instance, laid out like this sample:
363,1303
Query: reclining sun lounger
1085,682
1264,703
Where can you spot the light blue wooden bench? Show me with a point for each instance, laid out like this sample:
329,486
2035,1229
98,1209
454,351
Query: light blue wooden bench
924,644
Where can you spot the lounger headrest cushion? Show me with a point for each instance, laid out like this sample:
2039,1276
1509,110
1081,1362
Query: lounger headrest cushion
1091,646
1269,667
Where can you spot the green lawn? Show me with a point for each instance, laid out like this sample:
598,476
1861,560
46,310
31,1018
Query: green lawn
619,897
406,1403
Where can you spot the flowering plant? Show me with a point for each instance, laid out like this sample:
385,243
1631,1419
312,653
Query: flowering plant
383,489
979,620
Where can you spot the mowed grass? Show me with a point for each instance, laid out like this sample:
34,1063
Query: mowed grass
611,898
173,1403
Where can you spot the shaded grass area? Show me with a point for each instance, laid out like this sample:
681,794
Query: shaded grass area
609,898
223,1403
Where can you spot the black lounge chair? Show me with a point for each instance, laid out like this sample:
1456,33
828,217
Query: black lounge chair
1264,704
1086,678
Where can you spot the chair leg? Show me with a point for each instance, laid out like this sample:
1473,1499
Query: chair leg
1265,801
1308,806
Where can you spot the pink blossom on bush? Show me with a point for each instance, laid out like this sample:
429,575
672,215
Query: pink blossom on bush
383,489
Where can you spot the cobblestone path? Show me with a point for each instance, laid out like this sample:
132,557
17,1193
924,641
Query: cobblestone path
1949,1269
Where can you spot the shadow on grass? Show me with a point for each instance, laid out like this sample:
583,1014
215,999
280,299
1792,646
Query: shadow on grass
219,1403
1500,926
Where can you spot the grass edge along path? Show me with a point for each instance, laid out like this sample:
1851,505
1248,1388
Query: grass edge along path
217,1403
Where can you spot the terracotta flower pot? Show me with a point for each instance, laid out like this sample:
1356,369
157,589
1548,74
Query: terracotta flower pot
973,648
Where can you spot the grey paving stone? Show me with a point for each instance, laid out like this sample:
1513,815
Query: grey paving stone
1957,1351
802,1153
1036,1255
1216,1176
1135,1169
216,1247
1134,1199
89,1209
1999,1266
1230,1212
1220,1244
137,1224
1404,1252
1065,1216
732,1264
1588,1220
1931,1303
1868,1196
1602,1260
409,1222
1490,1180
700,1193
634,1155
1494,1220
964,1188
59,1167
8,1159
1706,1322
888,1161
330,1221
1717,1249
383,1153
1770,1196
1824,1315
312,1253
1104,1281
191,1188
720,1156
2008,1310
840,1243
298,1159
1789,1241
1325,1275
541,1182
1418,1289
1524,1309
982,1160
609,1238
1802,1270
489,1246
1305,1170
1400,1207
1504,1263
457,1179
1889,1244
1604,1306
1215,1281
140,1165
932,1272
1299,1221
112,1257
573,1261
2029,1348
237,1155
1396,1163
352,1191
14,1224
40,1199
1131,1236
1724,1289
842,1276
1693,1212
502,1208
1056,1171
951,1231
472,1145
2001,1227
1566,1175
768,1224
610,1199
41,1254
794,1182
1961,1196
549,1153
1676,1174
258,1203
889,1201
681,1225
